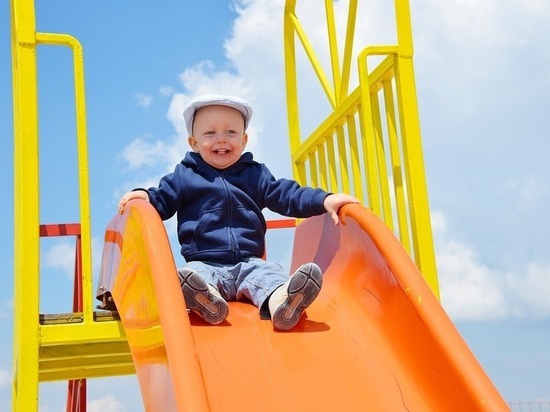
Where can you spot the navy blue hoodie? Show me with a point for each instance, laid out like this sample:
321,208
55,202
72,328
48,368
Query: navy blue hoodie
219,212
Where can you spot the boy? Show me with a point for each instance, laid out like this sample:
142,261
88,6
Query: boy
218,194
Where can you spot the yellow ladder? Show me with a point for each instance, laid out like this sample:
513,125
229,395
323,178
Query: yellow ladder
71,346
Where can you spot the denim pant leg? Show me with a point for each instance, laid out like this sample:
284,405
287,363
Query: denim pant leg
217,275
256,279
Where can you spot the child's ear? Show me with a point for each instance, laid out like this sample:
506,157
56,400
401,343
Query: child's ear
193,143
245,140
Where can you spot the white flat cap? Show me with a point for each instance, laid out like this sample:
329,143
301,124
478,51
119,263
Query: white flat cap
215,100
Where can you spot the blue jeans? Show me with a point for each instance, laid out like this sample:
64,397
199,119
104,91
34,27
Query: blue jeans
253,278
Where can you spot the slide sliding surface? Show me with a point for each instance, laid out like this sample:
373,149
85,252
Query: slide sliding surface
376,338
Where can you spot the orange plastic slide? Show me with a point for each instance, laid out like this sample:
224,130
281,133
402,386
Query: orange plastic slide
376,338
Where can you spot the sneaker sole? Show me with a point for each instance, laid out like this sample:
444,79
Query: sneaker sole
199,299
303,289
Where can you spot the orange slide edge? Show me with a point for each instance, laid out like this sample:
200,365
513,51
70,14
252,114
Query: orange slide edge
429,309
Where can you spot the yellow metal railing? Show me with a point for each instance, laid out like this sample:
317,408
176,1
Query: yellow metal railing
75,346
370,144
82,155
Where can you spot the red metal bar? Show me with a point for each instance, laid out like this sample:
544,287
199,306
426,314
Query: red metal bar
60,229
76,391
281,223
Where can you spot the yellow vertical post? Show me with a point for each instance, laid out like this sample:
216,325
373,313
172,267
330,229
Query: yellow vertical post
410,126
83,183
333,46
348,47
378,137
291,89
355,162
342,160
397,168
367,133
26,210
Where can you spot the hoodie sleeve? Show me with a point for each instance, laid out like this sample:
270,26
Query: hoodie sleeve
166,198
287,197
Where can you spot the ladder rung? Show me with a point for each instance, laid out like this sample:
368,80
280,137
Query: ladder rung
76,317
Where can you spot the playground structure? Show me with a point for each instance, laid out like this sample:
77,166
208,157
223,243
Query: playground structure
377,327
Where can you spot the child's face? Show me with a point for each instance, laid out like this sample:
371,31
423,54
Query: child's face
218,135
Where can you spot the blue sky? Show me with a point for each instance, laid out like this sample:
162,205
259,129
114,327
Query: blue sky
483,84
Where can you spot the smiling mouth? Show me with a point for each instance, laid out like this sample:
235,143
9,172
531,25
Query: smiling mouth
221,151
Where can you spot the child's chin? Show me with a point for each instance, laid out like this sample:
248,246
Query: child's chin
221,165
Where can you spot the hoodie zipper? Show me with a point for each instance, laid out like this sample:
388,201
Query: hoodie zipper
229,216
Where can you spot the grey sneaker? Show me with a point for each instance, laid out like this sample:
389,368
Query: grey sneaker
202,298
289,301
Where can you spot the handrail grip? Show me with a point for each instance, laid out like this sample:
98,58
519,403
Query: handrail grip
58,39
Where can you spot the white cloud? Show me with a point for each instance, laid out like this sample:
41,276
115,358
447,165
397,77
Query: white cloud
61,256
471,290
527,191
204,77
175,113
256,34
107,403
531,291
144,151
143,100
166,90
6,310
5,379
478,24
474,52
